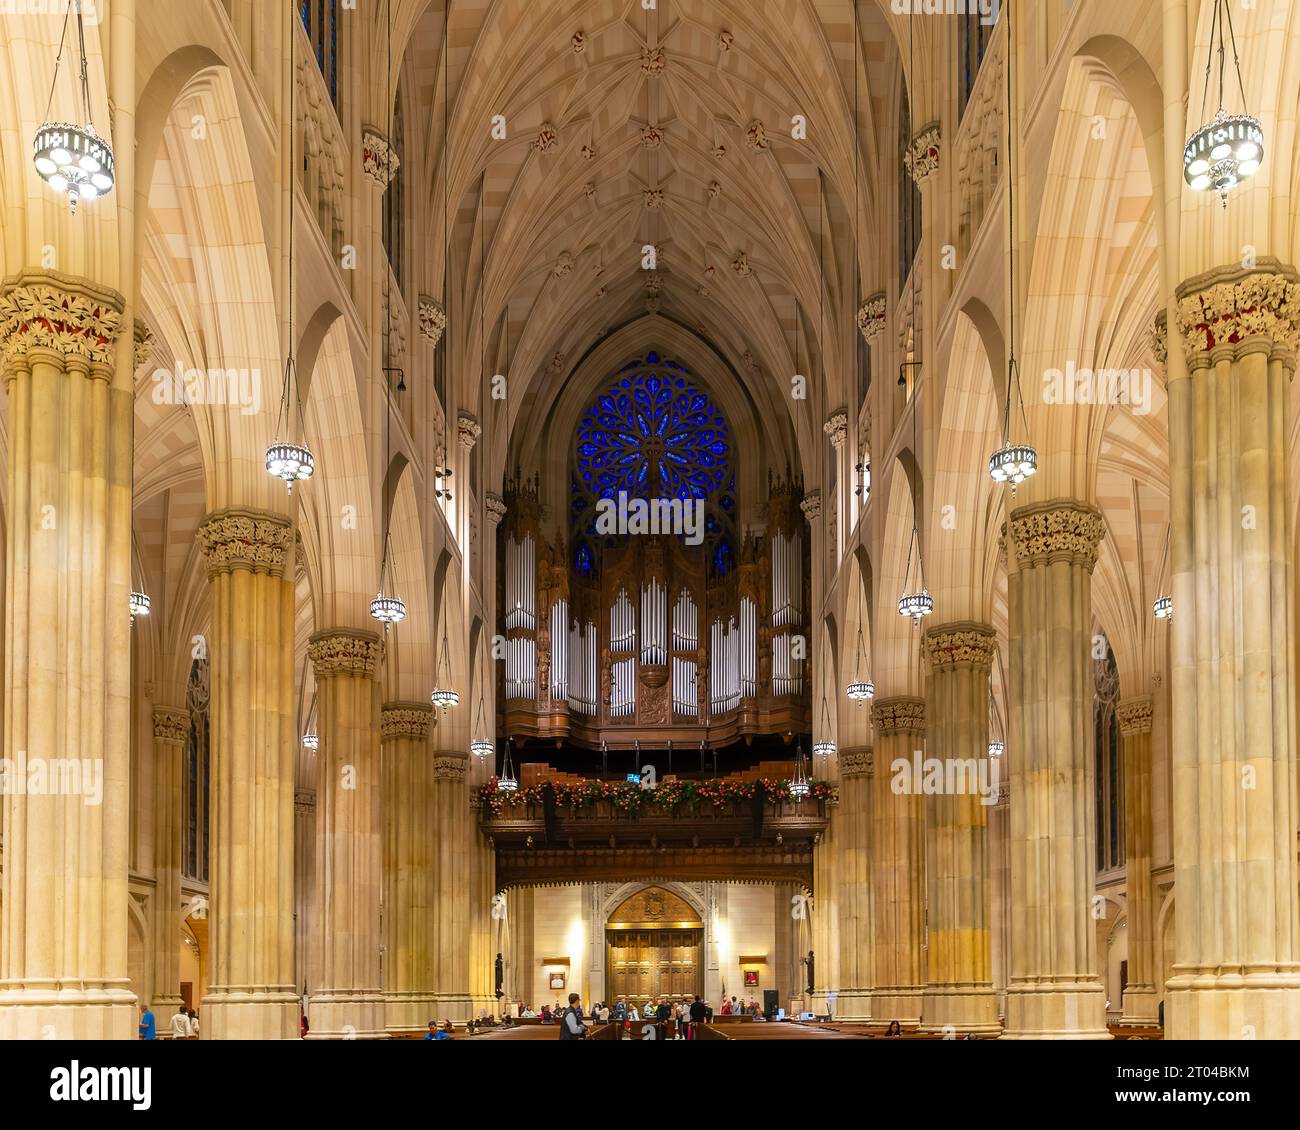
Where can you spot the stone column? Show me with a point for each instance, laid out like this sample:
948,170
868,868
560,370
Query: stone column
250,975
1054,990
853,825
452,818
1141,997
823,937
1236,970
959,977
171,732
898,864
410,843
63,959
346,997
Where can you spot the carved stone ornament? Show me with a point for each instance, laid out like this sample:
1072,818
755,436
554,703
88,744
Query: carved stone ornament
171,725
448,767
837,427
812,506
1257,309
1134,716
725,41
740,264
496,507
653,61
468,430
411,720
904,715
871,317
433,319
1056,531
588,152
857,762
922,159
378,159
1160,337
578,42
547,138
68,315
961,644
652,137
142,343
653,199
563,264
345,652
756,137
246,539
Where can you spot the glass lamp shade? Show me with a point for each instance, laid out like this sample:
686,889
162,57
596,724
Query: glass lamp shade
444,699
916,605
506,783
1013,463
799,789
310,741
388,609
1223,153
996,749
481,748
1163,609
139,605
74,160
860,690
291,462
823,748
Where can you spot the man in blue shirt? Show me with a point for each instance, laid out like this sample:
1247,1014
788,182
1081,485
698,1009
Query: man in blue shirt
148,1027
435,1033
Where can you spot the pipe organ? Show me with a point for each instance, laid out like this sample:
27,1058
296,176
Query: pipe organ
649,636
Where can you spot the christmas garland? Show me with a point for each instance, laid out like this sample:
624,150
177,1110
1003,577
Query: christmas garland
633,797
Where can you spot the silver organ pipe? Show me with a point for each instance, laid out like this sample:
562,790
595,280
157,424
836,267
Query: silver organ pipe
623,688
686,702
787,580
654,617
748,648
622,624
521,583
583,684
559,651
685,623
521,668
724,667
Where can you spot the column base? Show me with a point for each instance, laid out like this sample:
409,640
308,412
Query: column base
164,1008
852,1005
1067,1011
902,1004
456,1007
961,1009
239,1015
48,1012
410,1012
1141,1007
346,1015
1241,1006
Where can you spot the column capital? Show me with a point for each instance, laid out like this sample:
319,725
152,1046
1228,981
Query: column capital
1134,715
406,720
345,651
901,715
433,319
922,157
1060,530
496,508
61,313
812,505
857,762
871,317
1160,336
468,430
142,339
449,766
378,160
963,643
837,427
171,725
246,539
1246,311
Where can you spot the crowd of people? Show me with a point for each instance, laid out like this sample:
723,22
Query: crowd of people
674,1017
184,1024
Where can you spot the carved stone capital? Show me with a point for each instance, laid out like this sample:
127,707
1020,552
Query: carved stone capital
378,159
1250,311
1061,530
837,427
1160,337
62,313
812,505
246,539
496,508
141,342
345,651
961,644
468,430
411,720
448,766
1134,715
171,725
857,762
871,317
433,319
901,715
922,158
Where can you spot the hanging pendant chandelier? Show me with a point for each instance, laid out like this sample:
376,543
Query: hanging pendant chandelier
481,747
800,786
996,749
73,159
1013,462
916,603
1163,609
860,689
443,697
388,609
1229,148
310,741
140,605
825,747
506,780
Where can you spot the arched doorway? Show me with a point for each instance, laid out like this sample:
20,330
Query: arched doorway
654,948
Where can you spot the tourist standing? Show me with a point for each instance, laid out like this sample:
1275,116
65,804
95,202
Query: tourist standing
181,1024
148,1025
571,1026
698,1014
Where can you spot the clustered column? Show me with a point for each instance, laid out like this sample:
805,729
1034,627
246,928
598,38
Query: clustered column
1141,998
63,960
171,731
853,824
452,884
410,846
251,984
1237,955
346,998
898,866
1054,990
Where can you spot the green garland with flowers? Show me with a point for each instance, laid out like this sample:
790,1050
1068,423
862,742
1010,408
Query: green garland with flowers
631,798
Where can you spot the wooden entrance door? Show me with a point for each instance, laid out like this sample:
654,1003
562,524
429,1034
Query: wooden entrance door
648,964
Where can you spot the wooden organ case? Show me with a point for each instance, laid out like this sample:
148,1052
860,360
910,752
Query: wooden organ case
650,646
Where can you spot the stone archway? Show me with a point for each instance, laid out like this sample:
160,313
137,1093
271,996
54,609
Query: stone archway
654,941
